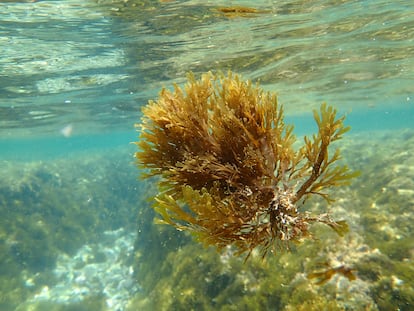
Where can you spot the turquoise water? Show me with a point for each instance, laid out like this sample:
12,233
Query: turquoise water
74,76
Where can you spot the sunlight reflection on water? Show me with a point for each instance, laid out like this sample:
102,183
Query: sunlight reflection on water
107,58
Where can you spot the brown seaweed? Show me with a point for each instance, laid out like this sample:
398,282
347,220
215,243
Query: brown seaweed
324,276
240,11
229,172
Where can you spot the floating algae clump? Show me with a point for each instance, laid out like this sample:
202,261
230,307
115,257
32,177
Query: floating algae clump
229,172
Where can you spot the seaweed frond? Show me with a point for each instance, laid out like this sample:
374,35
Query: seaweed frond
240,11
322,173
325,275
229,172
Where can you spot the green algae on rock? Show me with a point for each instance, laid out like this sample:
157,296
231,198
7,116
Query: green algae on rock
50,209
229,171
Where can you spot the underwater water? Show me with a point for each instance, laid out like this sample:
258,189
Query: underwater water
76,227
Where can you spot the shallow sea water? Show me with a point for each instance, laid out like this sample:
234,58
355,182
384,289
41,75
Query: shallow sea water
76,230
